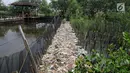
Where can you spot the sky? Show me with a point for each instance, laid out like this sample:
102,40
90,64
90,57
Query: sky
7,2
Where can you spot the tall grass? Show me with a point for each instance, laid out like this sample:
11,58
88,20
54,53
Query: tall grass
111,24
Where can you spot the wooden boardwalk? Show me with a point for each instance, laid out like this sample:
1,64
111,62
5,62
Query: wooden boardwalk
19,20
11,20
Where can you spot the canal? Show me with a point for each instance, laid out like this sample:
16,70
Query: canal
13,55
11,40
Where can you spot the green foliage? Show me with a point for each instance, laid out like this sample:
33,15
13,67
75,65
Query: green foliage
67,8
81,25
45,8
116,61
3,10
73,9
15,10
60,6
102,18
111,24
126,36
91,7
32,1
2,6
4,13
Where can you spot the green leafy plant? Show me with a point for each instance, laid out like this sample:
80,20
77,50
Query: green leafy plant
115,62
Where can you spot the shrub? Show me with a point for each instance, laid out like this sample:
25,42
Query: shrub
81,24
116,62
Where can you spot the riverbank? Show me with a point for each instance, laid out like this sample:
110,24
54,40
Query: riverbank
61,54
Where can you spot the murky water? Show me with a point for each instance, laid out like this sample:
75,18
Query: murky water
11,40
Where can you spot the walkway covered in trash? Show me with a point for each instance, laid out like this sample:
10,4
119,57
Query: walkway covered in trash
61,54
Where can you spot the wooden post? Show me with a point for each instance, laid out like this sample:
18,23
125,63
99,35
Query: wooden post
28,49
22,14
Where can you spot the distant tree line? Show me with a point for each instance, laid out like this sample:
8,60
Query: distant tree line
87,7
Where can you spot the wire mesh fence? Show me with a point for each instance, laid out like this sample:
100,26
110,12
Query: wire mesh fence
20,62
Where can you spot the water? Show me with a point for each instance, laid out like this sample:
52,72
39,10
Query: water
11,40
41,34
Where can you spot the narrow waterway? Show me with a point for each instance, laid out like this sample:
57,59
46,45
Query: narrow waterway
61,54
11,40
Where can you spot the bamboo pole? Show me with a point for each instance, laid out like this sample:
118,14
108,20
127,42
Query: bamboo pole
15,72
28,49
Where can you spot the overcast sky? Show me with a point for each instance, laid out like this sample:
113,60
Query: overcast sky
6,2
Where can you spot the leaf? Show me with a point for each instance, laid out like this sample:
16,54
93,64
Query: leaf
89,63
126,37
127,62
97,54
90,70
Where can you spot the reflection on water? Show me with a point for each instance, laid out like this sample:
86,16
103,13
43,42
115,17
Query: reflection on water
11,40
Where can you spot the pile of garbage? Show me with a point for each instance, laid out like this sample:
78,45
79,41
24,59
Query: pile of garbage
61,54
